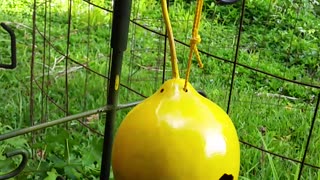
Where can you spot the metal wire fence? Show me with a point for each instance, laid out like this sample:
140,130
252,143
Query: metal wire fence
57,69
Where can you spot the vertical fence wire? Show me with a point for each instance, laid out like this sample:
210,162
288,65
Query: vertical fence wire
49,61
314,118
236,55
67,60
88,29
44,58
31,104
165,44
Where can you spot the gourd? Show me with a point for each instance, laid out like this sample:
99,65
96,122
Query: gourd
176,134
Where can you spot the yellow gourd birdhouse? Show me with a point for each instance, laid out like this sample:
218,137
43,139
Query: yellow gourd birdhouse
176,134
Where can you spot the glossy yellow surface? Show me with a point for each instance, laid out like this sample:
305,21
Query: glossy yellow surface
176,135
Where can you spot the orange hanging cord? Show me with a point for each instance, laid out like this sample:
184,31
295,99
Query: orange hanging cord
174,61
194,41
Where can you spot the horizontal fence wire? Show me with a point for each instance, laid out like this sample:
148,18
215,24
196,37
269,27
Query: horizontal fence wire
212,55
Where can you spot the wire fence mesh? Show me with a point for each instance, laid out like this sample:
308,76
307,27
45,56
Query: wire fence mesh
240,73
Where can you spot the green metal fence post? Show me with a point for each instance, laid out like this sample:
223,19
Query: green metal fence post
119,38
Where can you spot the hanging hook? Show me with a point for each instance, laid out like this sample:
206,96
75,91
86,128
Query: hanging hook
13,48
23,163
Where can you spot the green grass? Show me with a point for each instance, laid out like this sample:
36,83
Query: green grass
279,37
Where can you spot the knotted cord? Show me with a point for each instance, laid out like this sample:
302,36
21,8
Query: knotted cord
194,41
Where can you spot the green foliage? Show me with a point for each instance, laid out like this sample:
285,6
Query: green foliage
279,37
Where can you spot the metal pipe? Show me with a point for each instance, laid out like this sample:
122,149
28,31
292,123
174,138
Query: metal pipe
119,38
63,120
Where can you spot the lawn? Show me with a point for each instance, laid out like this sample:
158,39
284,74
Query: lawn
273,99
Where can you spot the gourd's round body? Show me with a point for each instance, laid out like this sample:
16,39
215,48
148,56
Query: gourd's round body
176,135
